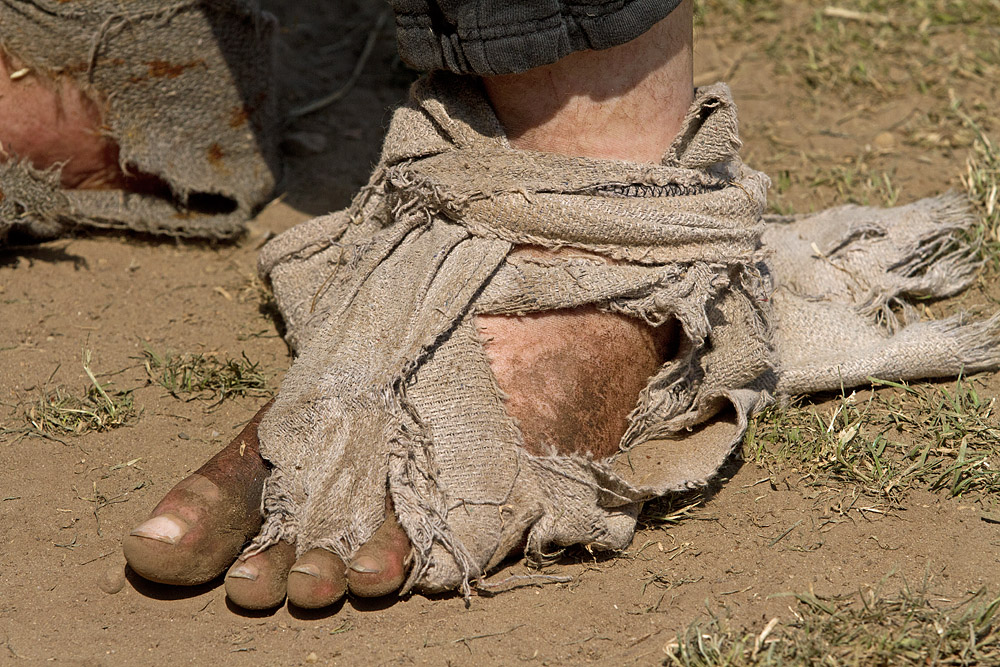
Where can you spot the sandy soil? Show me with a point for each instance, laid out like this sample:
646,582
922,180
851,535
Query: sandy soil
65,507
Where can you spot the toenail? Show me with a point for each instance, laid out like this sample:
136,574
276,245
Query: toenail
162,528
366,565
243,571
307,568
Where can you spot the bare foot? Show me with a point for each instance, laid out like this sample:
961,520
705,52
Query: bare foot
51,121
201,525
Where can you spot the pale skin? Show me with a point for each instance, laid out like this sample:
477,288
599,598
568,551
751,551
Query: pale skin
570,377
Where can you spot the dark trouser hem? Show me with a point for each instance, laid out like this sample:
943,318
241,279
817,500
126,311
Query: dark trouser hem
489,37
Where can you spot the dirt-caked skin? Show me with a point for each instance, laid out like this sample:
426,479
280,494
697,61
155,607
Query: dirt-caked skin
218,504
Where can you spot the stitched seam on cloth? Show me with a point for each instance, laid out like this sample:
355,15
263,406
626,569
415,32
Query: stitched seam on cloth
554,23
575,11
458,205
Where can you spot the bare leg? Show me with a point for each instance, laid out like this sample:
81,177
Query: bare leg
624,103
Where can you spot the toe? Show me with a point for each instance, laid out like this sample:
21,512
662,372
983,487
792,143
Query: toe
201,525
379,567
259,582
317,579
193,535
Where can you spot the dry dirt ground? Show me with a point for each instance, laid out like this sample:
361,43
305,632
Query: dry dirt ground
834,108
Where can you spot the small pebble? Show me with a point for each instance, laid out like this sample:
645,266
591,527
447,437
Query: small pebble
311,658
303,143
885,141
112,579
183,436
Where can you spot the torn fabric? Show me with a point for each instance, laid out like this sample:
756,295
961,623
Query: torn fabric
392,393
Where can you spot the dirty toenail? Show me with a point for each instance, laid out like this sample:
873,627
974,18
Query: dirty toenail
162,528
306,568
366,565
243,571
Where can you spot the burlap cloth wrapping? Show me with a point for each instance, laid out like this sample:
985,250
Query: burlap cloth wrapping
392,393
188,90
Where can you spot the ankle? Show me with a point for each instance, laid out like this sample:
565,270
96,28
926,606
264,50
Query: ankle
626,102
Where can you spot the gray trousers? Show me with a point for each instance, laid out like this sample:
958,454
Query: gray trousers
488,37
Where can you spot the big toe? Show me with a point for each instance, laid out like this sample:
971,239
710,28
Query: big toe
201,525
192,536
151,550
317,579
260,581
379,566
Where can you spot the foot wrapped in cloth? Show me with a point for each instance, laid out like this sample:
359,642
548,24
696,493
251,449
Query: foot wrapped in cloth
392,394
186,90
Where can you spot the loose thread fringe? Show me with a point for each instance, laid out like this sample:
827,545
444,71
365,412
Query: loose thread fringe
938,263
978,342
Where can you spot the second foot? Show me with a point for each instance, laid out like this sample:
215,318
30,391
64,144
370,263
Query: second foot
51,121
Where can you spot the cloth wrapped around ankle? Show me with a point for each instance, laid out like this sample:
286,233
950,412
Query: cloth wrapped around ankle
392,393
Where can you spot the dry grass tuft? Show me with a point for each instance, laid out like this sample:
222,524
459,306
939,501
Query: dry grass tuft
61,412
670,510
868,628
205,376
982,183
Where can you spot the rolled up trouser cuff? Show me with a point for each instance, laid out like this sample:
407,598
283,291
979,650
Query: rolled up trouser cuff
490,37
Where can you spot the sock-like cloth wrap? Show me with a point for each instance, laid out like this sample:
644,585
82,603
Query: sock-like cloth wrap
188,88
392,393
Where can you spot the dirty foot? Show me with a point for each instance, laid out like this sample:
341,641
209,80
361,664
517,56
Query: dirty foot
571,378
202,524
